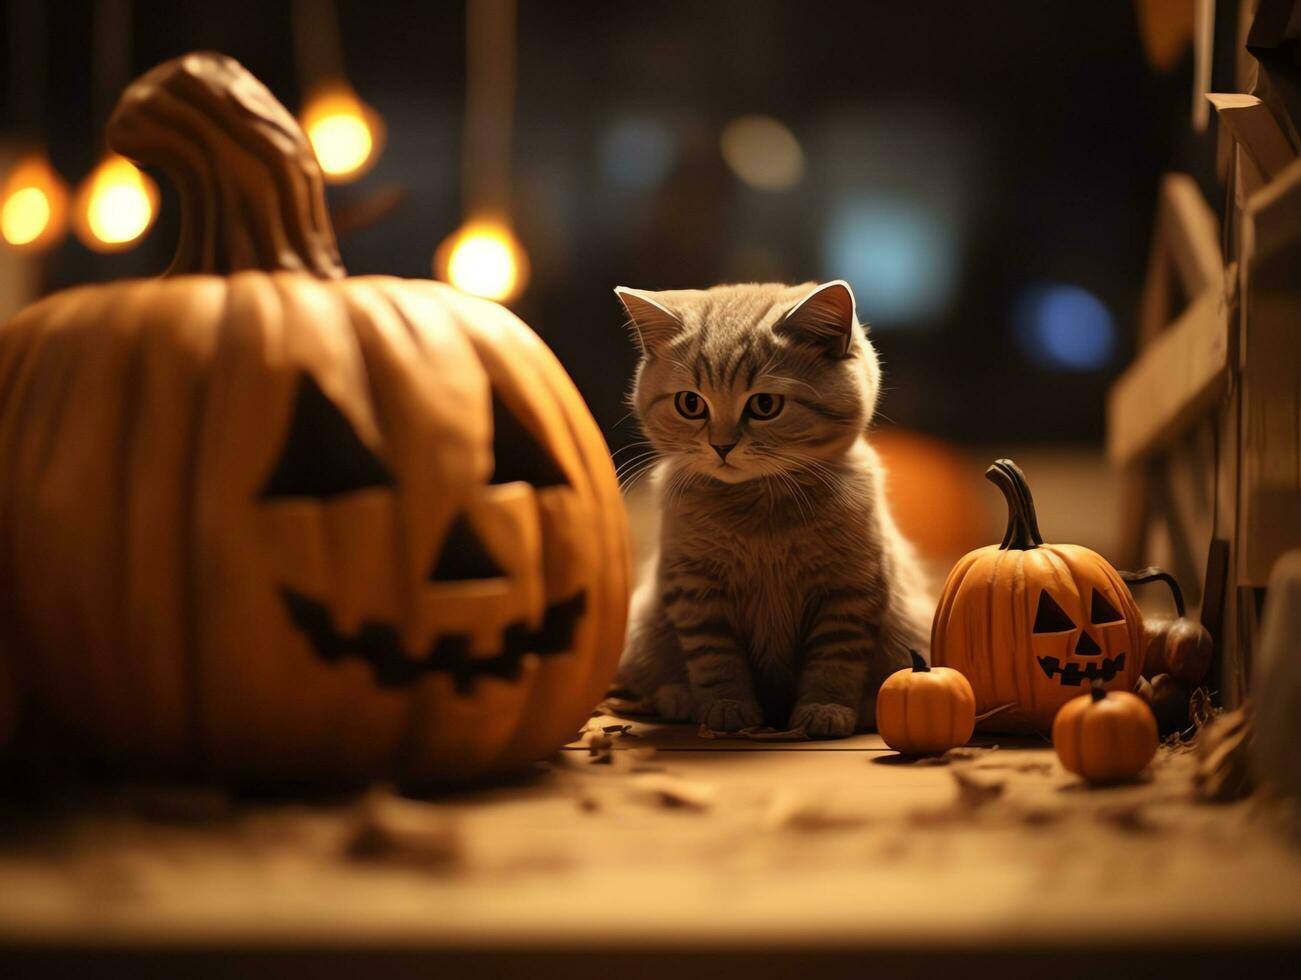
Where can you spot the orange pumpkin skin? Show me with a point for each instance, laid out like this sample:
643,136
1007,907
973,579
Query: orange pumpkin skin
1106,737
281,524
924,711
988,624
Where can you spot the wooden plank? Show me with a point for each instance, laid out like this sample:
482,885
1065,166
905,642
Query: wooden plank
1189,230
1269,520
1255,129
1172,382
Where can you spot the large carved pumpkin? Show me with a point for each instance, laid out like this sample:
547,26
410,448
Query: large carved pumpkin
1032,625
261,520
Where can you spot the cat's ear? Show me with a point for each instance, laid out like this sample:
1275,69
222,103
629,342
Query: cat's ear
825,318
653,322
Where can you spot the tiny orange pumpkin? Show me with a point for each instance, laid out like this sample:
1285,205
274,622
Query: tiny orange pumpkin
1105,736
925,710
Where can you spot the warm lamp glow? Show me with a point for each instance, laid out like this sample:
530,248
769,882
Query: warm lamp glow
115,205
35,205
483,258
344,132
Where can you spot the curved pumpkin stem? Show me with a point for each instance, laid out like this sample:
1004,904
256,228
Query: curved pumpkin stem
1154,574
252,195
1022,532
1097,691
919,662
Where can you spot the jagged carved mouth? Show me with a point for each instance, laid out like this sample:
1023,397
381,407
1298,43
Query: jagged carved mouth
379,644
1072,674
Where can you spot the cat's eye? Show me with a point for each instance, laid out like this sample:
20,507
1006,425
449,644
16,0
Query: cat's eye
690,405
764,406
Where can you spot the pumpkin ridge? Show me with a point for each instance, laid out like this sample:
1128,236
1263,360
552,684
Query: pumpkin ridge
613,538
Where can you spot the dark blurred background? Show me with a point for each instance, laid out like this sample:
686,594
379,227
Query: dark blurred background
982,173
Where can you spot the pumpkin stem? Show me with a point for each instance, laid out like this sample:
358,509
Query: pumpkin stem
1022,532
919,662
1154,574
252,195
1097,691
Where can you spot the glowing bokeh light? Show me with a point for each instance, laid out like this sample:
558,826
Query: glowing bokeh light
762,152
344,132
637,153
115,205
898,254
1063,327
483,258
26,214
35,203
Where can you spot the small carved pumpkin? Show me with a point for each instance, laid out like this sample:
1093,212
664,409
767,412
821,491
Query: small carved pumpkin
1029,623
261,520
925,710
1106,737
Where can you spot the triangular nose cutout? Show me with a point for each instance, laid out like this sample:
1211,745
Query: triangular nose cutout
1085,647
464,557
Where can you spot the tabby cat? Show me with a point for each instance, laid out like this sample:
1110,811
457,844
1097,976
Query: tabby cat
781,592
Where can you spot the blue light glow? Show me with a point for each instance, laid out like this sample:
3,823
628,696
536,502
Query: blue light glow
897,253
1064,328
637,153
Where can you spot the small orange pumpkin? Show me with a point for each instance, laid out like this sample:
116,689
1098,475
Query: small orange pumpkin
261,520
1027,623
1106,737
925,710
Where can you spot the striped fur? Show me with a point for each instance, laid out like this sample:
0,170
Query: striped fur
781,591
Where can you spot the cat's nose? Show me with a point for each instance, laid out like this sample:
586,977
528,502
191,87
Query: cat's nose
723,450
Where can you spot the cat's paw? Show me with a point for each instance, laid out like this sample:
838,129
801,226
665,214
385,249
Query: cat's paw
825,720
673,702
725,715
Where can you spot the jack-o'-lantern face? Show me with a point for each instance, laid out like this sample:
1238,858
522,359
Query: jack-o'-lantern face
412,519
280,523
483,599
1031,624
1079,650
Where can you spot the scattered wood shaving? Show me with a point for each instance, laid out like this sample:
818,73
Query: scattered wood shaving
1040,816
1034,768
1223,772
624,731
600,750
625,708
674,793
975,793
1131,818
756,734
963,752
973,796
797,813
394,830
985,716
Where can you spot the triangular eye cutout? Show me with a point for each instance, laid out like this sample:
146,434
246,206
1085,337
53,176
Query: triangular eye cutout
1102,610
516,454
322,457
464,557
1051,618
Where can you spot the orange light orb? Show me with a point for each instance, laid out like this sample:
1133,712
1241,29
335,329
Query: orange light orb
483,258
115,206
33,205
346,134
